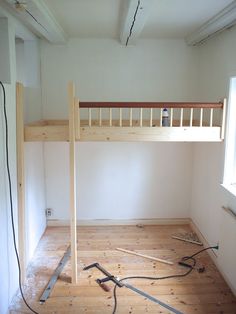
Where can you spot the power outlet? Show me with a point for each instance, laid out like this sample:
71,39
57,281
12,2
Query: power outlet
48,212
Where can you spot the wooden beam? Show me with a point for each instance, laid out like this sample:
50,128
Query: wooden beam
134,18
112,104
159,134
71,93
20,176
36,15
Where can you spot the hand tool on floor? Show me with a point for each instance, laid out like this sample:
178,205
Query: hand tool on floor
199,269
110,277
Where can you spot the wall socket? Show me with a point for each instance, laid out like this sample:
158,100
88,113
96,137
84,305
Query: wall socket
48,212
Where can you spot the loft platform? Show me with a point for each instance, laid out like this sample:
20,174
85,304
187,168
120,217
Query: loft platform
135,121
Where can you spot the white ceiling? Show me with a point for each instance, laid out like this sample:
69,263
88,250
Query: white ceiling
102,18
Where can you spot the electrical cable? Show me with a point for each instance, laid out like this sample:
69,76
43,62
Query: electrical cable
185,258
10,198
134,19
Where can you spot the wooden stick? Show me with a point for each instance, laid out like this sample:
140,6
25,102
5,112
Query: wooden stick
141,117
100,116
89,112
77,119
110,116
171,116
191,117
130,117
211,117
181,117
146,256
201,116
160,116
187,240
71,92
20,176
150,124
120,120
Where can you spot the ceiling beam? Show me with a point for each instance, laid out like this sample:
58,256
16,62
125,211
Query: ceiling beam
134,19
37,17
221,21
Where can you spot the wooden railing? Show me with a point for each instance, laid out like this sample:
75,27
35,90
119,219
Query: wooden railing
150,114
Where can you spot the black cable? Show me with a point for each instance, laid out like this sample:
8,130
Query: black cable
131,28
185,258
10,197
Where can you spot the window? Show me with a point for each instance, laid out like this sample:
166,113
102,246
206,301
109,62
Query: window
229,181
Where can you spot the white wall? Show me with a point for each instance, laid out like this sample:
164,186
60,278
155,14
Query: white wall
8,269
28,73
217,64
119,180
104,70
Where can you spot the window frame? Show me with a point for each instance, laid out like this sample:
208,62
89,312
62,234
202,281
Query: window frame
229,179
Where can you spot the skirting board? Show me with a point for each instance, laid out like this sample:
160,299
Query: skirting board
107,222
213,254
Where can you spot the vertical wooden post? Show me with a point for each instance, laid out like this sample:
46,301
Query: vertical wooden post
110,116
191,117
211,117
181,117
71,92
201,116
160,116
77,119
100,116
120,119
130,117
150,123
222,135
141,117
89,114
20,176
171,116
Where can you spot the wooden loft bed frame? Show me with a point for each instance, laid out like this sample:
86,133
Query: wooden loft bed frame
121,126
134,121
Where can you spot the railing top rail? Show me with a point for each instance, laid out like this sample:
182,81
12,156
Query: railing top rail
95,104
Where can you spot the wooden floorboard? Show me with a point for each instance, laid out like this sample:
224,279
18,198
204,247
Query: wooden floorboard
198,293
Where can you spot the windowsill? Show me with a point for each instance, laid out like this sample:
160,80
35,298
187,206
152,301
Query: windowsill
231,188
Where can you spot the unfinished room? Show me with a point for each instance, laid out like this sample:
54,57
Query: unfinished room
118,156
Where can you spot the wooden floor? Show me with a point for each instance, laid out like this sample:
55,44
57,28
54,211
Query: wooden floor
197,293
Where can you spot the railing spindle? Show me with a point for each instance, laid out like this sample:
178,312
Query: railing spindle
160,116
100,116
171,116
120,121
150,117
211,117
141,117
130,117
181,116
201,115
89,113
191,117
110,116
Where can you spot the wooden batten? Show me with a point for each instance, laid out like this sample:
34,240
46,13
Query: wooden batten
20,176
154,134
71,92
77,119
